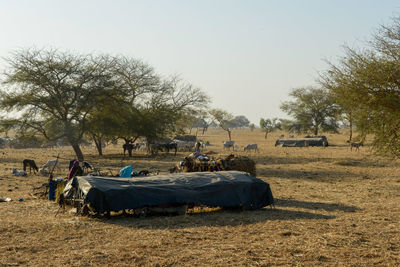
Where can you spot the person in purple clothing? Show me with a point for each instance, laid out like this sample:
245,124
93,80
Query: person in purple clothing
75,170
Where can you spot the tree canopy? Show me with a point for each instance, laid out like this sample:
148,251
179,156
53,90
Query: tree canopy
62,95
223,119
313,109
268,125
366,83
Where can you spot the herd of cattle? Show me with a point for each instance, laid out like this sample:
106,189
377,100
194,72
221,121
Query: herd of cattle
179,145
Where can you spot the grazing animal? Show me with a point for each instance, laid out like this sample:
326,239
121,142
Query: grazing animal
251,147
356,146
154,148
32,165
16,172
50,165
168,147
129,147
85,165
229,144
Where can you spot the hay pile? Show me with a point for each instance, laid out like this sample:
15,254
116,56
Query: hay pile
228,163
239,163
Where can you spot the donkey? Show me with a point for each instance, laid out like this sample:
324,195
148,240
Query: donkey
32,165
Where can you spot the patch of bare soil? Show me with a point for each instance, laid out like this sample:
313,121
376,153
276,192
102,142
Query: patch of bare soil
333,207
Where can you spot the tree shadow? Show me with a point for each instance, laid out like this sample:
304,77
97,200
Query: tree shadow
314,205
322,176
214,219
289,160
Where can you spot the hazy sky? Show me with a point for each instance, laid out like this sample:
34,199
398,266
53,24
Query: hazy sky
247,55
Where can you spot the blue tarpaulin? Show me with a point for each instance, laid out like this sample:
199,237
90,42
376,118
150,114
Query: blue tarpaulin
126,172
213,189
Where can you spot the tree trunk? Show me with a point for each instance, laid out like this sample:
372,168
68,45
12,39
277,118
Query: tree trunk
316,131
266,135
78,151
98,146
229,135
351,127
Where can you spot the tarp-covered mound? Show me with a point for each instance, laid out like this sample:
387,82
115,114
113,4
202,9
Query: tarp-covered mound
301,142
214,189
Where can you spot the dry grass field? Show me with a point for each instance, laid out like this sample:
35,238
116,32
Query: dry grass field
334,207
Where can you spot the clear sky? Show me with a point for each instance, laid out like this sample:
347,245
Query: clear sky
247,55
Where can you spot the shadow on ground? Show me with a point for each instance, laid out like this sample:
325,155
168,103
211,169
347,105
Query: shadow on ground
215,219
314,205
323,176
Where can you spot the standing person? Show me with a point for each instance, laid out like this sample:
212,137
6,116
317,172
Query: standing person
75,170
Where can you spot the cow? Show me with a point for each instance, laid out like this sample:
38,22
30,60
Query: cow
229,144
129,147
32,165
251,147
168,147
154,148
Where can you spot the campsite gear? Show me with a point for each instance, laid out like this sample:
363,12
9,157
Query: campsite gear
7,199
126,172
227,189
52,190
61,182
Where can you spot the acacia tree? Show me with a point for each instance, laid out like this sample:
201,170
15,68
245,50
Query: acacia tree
53,92
313,109
147,105
367,81
224,120
240,121
268,125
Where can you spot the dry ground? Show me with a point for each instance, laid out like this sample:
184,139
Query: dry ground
333,207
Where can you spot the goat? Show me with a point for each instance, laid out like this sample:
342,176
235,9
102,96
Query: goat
356,146
50,165
16,172
32,165
85,165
